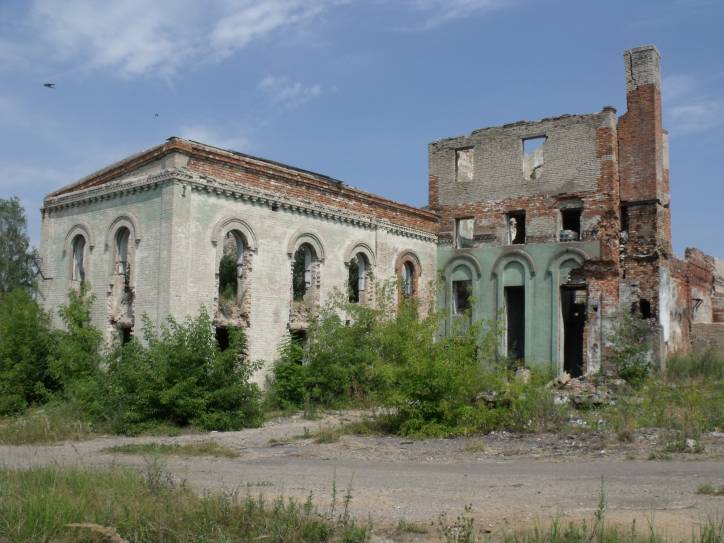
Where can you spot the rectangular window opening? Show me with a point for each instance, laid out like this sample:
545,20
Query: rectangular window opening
464,168
515,322
126,335
515,221
533,157
570,224
624,219
462,291
222,337
464,233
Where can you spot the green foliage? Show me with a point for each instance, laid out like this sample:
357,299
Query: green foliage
200,448
16,255
54,504
75,358
631,346
179,375
228,283
705,364
25,342
51,423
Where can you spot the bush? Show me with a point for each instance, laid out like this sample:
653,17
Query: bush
631,347
179,375
707,364
25,342
75,359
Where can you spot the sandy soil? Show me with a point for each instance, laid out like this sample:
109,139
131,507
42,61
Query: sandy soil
509,481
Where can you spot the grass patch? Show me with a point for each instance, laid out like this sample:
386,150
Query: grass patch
710,490
474,446
40,504
202,448
49,424
406,527
328,435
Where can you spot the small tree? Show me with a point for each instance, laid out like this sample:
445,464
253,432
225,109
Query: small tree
25,342
16,255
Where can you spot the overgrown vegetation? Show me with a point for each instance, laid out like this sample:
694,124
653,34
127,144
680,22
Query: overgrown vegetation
631,346
54,504
176,375
201,448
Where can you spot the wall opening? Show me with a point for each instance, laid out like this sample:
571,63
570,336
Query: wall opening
624,219
515,221
122,264
126,335
78,264
515,322
358,278
462,291
223,339
645,308
570,224
464,168
302,272
298,337
230,267
573,312
533,157
408,280
464,233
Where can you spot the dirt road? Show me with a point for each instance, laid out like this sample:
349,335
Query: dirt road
510,481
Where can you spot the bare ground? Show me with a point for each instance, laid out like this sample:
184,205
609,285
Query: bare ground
510,481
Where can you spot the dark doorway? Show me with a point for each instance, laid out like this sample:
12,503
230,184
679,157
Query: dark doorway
573,309
222,337
126,335
299,337
515,317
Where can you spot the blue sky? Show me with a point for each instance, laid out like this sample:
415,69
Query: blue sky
355,89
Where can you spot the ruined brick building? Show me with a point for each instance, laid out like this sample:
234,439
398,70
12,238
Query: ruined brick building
551,226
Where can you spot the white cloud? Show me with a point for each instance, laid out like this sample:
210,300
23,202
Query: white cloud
135,37
439,12
288,93
687,106
213,136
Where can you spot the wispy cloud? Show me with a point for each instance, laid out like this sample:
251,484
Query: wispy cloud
288,93
214,136
689,107
439,12
137,37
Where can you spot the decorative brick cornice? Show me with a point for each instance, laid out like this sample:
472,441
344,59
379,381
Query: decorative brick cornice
234,191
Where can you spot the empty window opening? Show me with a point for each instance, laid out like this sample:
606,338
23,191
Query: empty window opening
464,165
78,270
230,267
533,157
516,227
573,313
302,274
408,280
223,339
464,233
298,337
515,322
645,308
462,291
571,224
357,278
624,219
126,334
122,237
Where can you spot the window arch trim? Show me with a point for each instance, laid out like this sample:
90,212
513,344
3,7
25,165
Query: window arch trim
302,237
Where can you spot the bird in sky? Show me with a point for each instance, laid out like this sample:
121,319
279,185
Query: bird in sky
49,85
155,114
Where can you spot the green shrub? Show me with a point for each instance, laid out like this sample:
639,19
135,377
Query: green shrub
180,376
631,347
76,356
705,364
287,389
25,342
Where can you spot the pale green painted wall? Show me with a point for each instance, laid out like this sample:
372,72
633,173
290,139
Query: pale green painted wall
539,267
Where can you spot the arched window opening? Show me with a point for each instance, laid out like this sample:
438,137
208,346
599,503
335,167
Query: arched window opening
122,265
408,280
358,280
230,267
302,273
78,269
